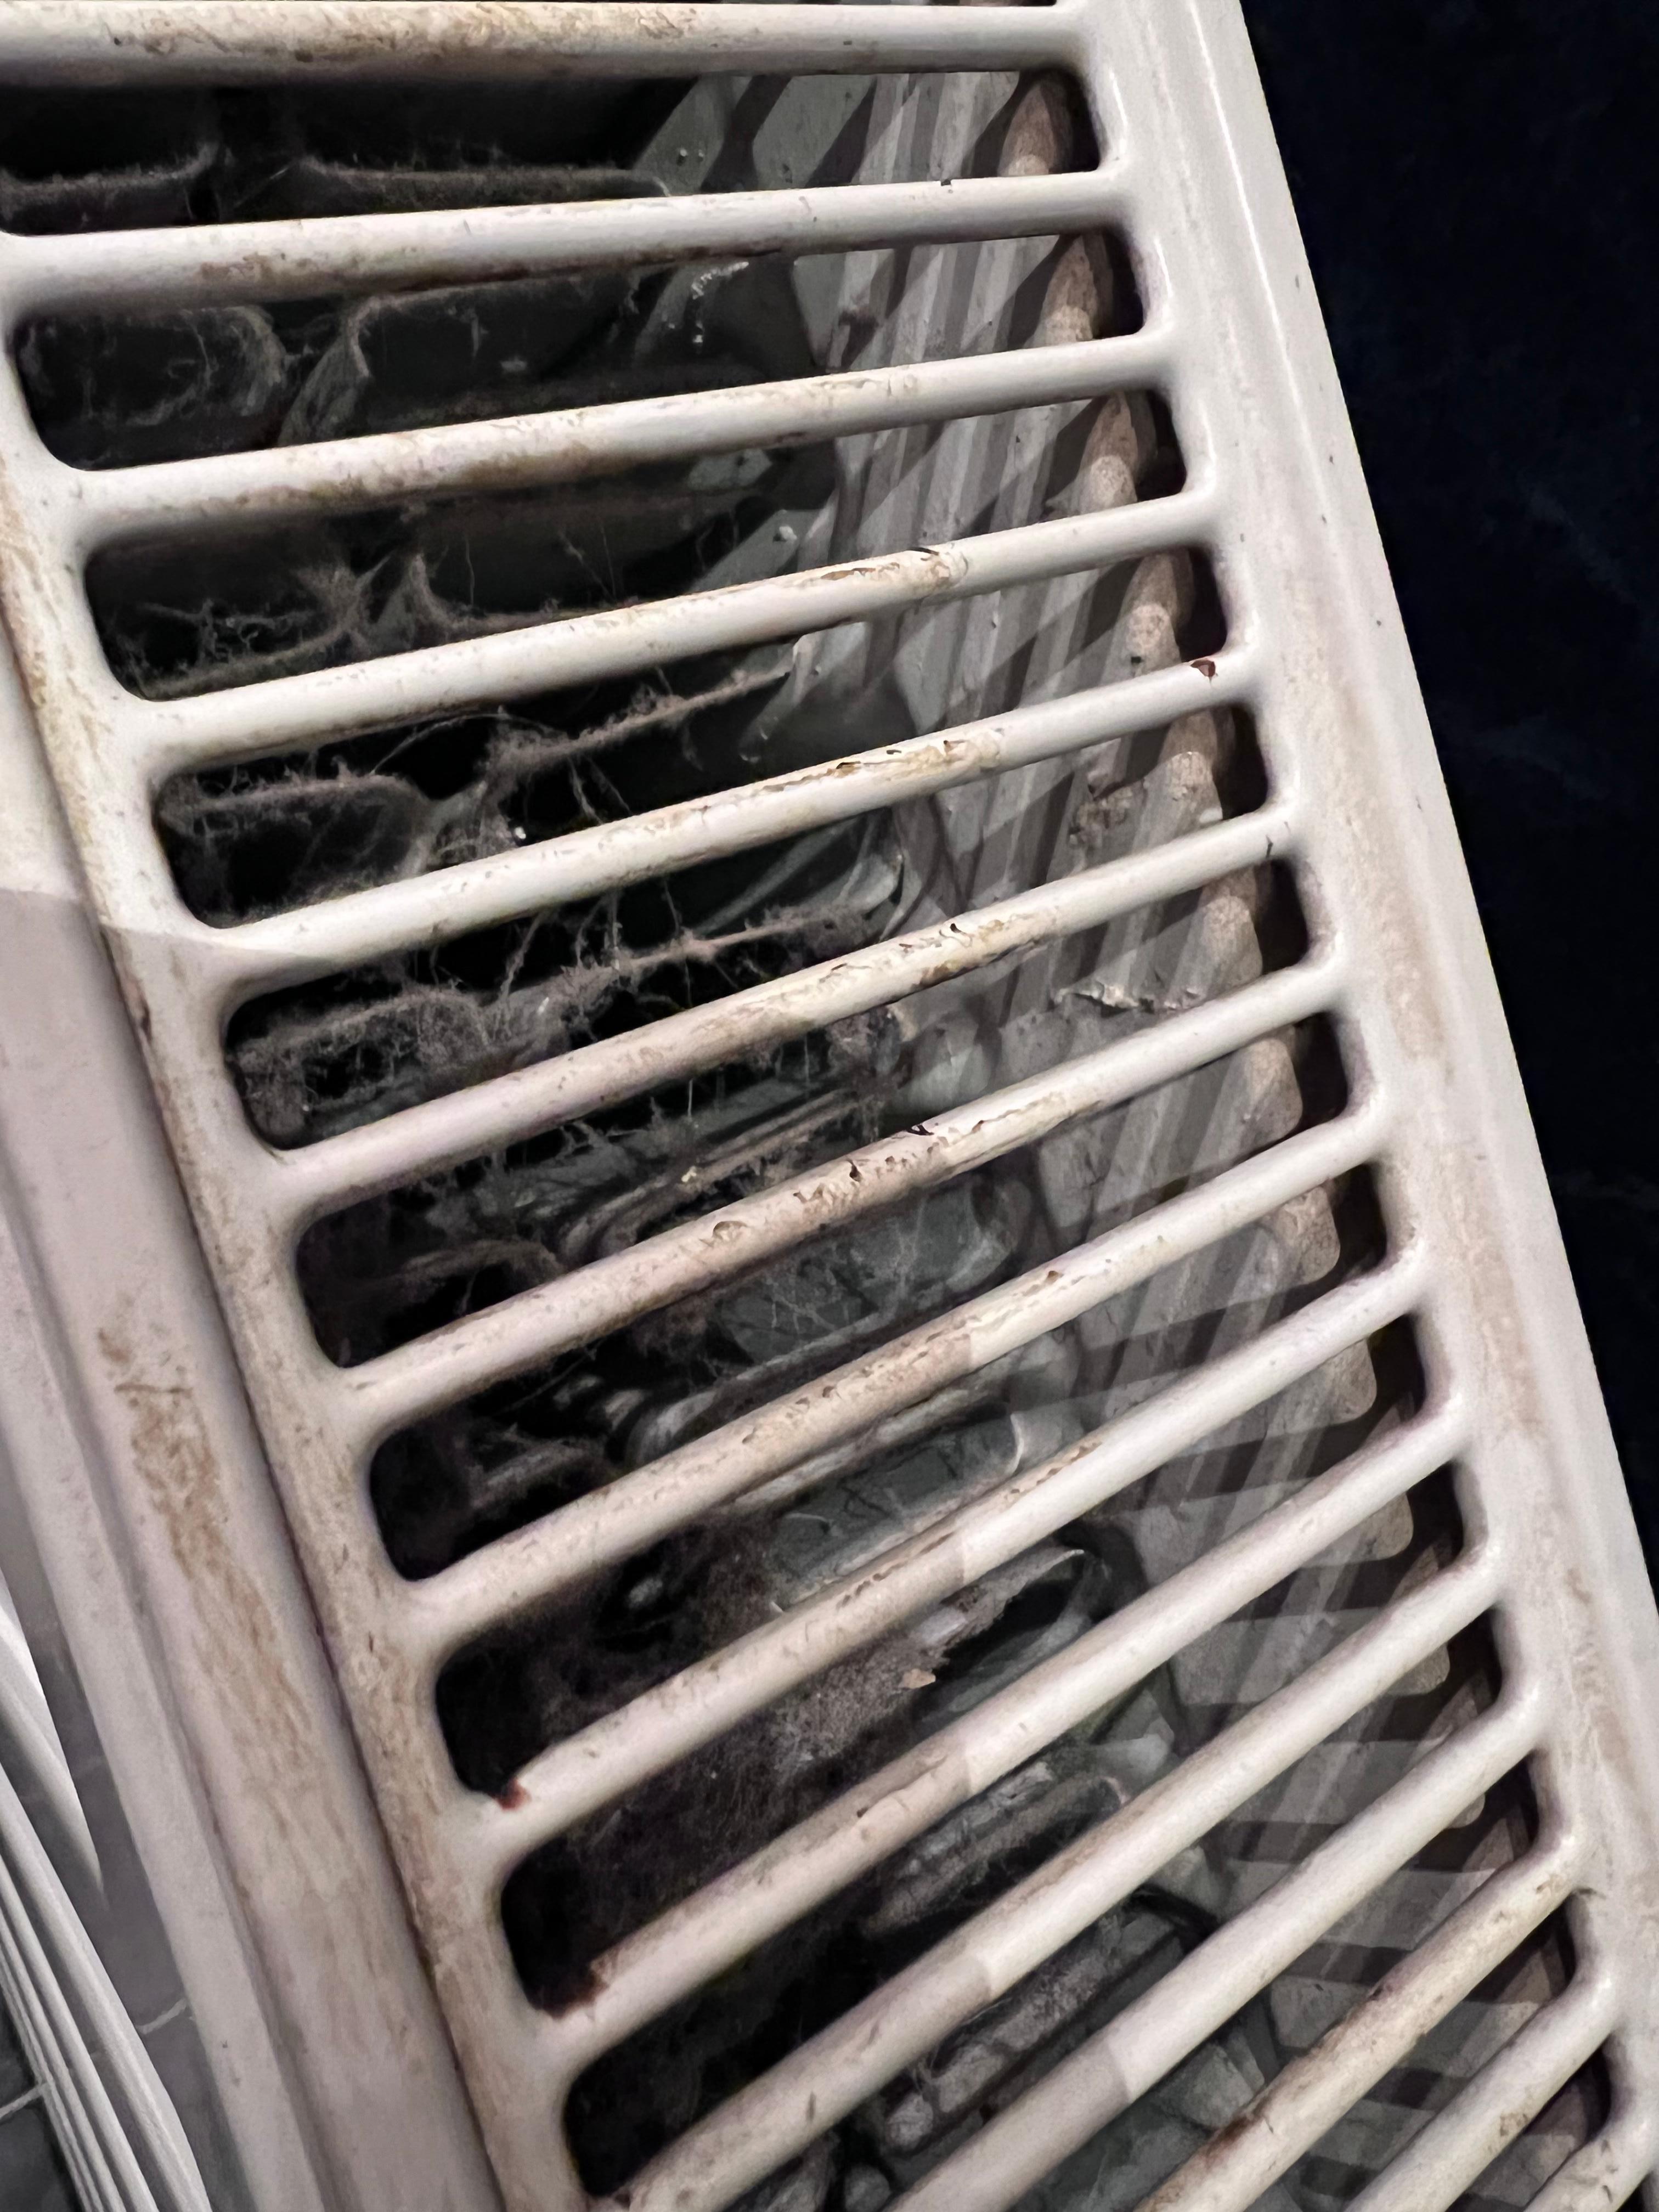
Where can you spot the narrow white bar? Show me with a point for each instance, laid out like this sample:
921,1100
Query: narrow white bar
510,1107
66,2113
701,1939
590,1769
761,2127
641,1508
1607,2173
1313,2090
566,445
477,894
312,257
1461,2141
438,1370
81,1976
290,42
1103,2076
76,2082
30,1736
257,719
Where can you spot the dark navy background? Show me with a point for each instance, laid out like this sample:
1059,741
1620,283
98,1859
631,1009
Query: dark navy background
1478,185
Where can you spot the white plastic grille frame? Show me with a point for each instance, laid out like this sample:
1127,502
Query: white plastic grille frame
1273,498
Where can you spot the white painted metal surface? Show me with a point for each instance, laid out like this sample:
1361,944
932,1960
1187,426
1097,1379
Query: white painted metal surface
1273,498
52,1981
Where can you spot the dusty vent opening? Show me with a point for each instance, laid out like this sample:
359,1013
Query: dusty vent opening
118,392
94,159
232,611
683,1599
650,2090
394,1267
328,1056
631,1395
255,838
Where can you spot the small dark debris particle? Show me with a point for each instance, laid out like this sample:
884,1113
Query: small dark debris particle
1205,668
573,1991
512,1797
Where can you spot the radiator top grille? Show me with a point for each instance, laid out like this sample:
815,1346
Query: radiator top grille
726,692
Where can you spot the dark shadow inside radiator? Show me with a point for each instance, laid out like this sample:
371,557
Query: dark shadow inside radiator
91,158
240,607
645,2093
521,1448
333,1055
731,1571
390,1268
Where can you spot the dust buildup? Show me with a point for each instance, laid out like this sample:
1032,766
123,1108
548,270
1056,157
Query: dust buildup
450,1484
701,1817
639,2097
105,160
177,621
250,841
406,1266
325,1058
110,392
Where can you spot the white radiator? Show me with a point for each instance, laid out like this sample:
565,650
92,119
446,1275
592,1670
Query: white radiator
854,1464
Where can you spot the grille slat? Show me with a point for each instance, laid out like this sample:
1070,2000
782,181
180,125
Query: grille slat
400,1386
1313,2090
1149,2039
526,450
1138,1297
583,1773
695,1942
77,42
304,260
1614,2165
826,2077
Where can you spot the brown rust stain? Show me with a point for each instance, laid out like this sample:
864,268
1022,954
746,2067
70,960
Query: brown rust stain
238,1644
580,1988
238,1638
